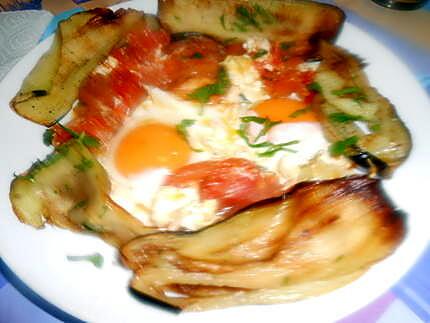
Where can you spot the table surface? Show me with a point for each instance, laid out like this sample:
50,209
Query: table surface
407,34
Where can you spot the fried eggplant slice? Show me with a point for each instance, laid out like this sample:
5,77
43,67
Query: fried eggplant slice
284,21
354,113
318,238
70,189
80,43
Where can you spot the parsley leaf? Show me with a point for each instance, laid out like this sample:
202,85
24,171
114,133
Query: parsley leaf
183,125
272,149
315,86
253,119
260,53
347,90
89,141
299,112
204,93
197,55
246,18
84,165
343,117
339,147
222,20
96,259
48,135
265,15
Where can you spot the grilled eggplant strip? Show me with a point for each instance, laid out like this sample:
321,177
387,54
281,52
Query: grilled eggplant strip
385,137
320,237
284,21
70,189
80,43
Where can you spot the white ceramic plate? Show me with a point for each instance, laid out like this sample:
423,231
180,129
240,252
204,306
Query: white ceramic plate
38,257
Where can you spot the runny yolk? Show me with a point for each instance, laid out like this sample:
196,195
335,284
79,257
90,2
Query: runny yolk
285,110
151,145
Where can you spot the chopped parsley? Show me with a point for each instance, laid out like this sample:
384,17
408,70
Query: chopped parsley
260,53
265,15
84,165
204,93
299,112
181,128
347,90
356,93
48,135
197,55
38,165
80,204
243,98
286,45
246,18
222,20
86,140
96,259
315,86
343,117
340,147
272,149
375,127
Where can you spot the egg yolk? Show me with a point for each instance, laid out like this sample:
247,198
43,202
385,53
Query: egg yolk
285,110
151,146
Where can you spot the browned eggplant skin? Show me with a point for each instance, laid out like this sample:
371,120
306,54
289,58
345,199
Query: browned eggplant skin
293,20
391,142
322,236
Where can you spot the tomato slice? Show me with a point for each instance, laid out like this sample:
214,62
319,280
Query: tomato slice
116,87
234,182
196,60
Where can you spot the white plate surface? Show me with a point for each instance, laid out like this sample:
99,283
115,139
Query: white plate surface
38,257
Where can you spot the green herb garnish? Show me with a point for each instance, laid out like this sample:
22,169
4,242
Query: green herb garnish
84,165
243,98
347,90
343,117
183,125
80,204
222,20
286,45
265,15
299,112
272,149
204,93
375,127
48,135
197,55
315,86
86,140
339,147
245,18
96,259
259,53
356,92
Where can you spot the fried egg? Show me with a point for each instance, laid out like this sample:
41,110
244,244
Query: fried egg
149,146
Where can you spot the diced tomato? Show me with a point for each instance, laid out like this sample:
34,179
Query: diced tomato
106,99
285,77
235,49
235,183
195,57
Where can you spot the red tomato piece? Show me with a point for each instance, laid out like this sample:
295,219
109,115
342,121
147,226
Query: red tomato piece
195,57
106,99
234,182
